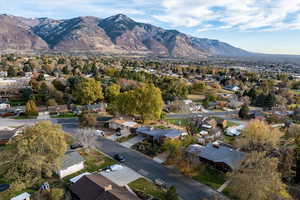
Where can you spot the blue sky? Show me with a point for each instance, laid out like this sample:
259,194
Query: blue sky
267,26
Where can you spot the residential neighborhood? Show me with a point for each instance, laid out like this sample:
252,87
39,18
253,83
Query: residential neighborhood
126,129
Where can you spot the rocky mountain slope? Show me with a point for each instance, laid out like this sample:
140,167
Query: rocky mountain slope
114,35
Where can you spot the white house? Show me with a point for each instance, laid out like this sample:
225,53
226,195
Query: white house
71,163
23,196
234,131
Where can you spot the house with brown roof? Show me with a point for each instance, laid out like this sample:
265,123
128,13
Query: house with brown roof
97,187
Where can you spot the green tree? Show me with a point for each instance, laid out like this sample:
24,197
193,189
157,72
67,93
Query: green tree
87,91
34,154
244,112
171,194
31,109
11,72
112,92
148,102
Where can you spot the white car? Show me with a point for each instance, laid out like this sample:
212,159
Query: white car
113,168
99,133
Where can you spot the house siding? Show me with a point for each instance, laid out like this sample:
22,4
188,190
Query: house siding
71,170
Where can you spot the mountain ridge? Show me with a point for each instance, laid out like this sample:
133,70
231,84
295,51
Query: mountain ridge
117,34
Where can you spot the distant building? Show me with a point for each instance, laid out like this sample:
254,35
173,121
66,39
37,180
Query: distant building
121,125
72,162
232,88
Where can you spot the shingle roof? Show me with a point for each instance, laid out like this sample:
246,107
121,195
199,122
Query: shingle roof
70,158
6,134
92,187
222,154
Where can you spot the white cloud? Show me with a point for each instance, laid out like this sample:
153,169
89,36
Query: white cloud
229,14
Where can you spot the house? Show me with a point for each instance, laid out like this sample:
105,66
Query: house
96,107
23,196
235,130
219,155
121,125
205,123
160,134
96,187
72,162
212,135
232,88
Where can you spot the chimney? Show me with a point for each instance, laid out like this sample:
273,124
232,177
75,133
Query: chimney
108,188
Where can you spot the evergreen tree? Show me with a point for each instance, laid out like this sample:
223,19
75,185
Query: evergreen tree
171,194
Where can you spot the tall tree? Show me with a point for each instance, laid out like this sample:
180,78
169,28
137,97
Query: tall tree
259,136
34,154
31,109
258,178
11,72
112,92
244,112
87,91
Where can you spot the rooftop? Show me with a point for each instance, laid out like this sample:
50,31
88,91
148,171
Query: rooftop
220,154
70,158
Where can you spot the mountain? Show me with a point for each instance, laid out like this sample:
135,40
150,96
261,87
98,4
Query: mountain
113,35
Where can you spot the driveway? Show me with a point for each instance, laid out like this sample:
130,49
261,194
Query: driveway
122,177
129,143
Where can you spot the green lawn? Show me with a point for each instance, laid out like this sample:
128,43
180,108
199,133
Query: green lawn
230,124
25,117
64,115
211,177
178,122
147,187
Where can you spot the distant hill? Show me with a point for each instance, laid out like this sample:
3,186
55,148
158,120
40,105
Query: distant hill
114,35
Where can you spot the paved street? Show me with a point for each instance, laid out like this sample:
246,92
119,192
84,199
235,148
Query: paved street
186,187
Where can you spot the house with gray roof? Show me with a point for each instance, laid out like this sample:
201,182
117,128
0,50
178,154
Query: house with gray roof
72,162
219,155
159,134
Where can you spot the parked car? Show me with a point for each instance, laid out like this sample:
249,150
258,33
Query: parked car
119,157
113,168
99,133
76,146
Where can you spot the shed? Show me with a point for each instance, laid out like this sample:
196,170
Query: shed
23,196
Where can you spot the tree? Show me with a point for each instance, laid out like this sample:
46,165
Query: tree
258,178
148,102
31,109
198,86
171,194
112,92
145,101
297,155
34,154
244,112
57,193
87,120
87,91
259,136
11,72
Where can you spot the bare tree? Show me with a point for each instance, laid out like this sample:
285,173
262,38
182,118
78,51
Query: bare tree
86,136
